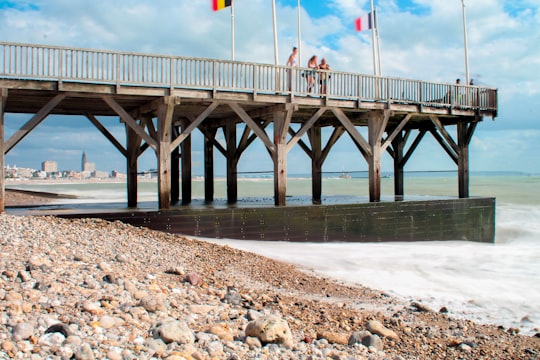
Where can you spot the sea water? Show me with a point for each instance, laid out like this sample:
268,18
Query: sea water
489,283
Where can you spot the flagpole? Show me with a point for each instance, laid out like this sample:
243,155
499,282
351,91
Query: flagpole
373,39
232,30
376,28
465,43
299,37
275,32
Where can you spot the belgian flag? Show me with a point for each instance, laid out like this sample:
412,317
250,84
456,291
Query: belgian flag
220,4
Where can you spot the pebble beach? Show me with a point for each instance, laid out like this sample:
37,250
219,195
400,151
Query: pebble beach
91,289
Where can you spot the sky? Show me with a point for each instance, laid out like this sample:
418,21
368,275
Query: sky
419,39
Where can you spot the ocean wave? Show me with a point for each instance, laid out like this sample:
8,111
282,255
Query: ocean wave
518,224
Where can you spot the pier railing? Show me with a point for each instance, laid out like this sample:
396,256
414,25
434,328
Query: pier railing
63,64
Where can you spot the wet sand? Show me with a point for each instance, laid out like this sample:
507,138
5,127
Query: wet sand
22,198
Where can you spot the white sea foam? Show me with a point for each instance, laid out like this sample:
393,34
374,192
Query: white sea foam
489,283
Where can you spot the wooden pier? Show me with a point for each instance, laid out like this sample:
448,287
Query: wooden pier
163,99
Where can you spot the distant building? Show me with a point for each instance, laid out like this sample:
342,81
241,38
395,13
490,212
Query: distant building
99,174
18,173
118,175
87,166
83,161
49,166
71,174
86,174
39,174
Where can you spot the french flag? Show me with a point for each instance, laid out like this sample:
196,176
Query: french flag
364,22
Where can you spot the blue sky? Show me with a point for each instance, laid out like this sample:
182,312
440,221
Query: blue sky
420,39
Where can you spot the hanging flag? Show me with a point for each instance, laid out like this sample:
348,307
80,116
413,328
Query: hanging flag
364,22
220,4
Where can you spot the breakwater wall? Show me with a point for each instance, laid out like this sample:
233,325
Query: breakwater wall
471,219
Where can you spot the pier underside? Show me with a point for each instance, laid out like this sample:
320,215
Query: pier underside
165,124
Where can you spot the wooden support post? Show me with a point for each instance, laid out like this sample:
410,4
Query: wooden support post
209,164
232,163
376,126
165,114
282,120
132,155
464,136
316,163
3,100
175,169
186,168
398,144
280,174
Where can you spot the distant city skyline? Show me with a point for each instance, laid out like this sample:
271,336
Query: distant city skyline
49,169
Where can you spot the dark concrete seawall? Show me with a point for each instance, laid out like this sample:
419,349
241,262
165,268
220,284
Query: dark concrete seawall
471,219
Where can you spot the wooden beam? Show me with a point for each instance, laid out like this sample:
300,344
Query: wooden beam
435,120
470,132
142,149
32,123
152,106
268,110
396,131
245,141
232,163
209,139
133,141
301,143
382,122
248,138
281,125
130,121
451,151
106,133
143,123
3,100
254,127
194,124
413,147
186,167
165,113
351,129
463,159
212,137
377,121
305,128
336,134
317,160
282,128
175,167
149,121
398,144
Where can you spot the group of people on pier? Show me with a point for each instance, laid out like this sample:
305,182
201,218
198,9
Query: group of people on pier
311,74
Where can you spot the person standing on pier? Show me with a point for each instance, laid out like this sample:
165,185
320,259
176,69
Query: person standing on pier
457,96
310,74
292,63
323,75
